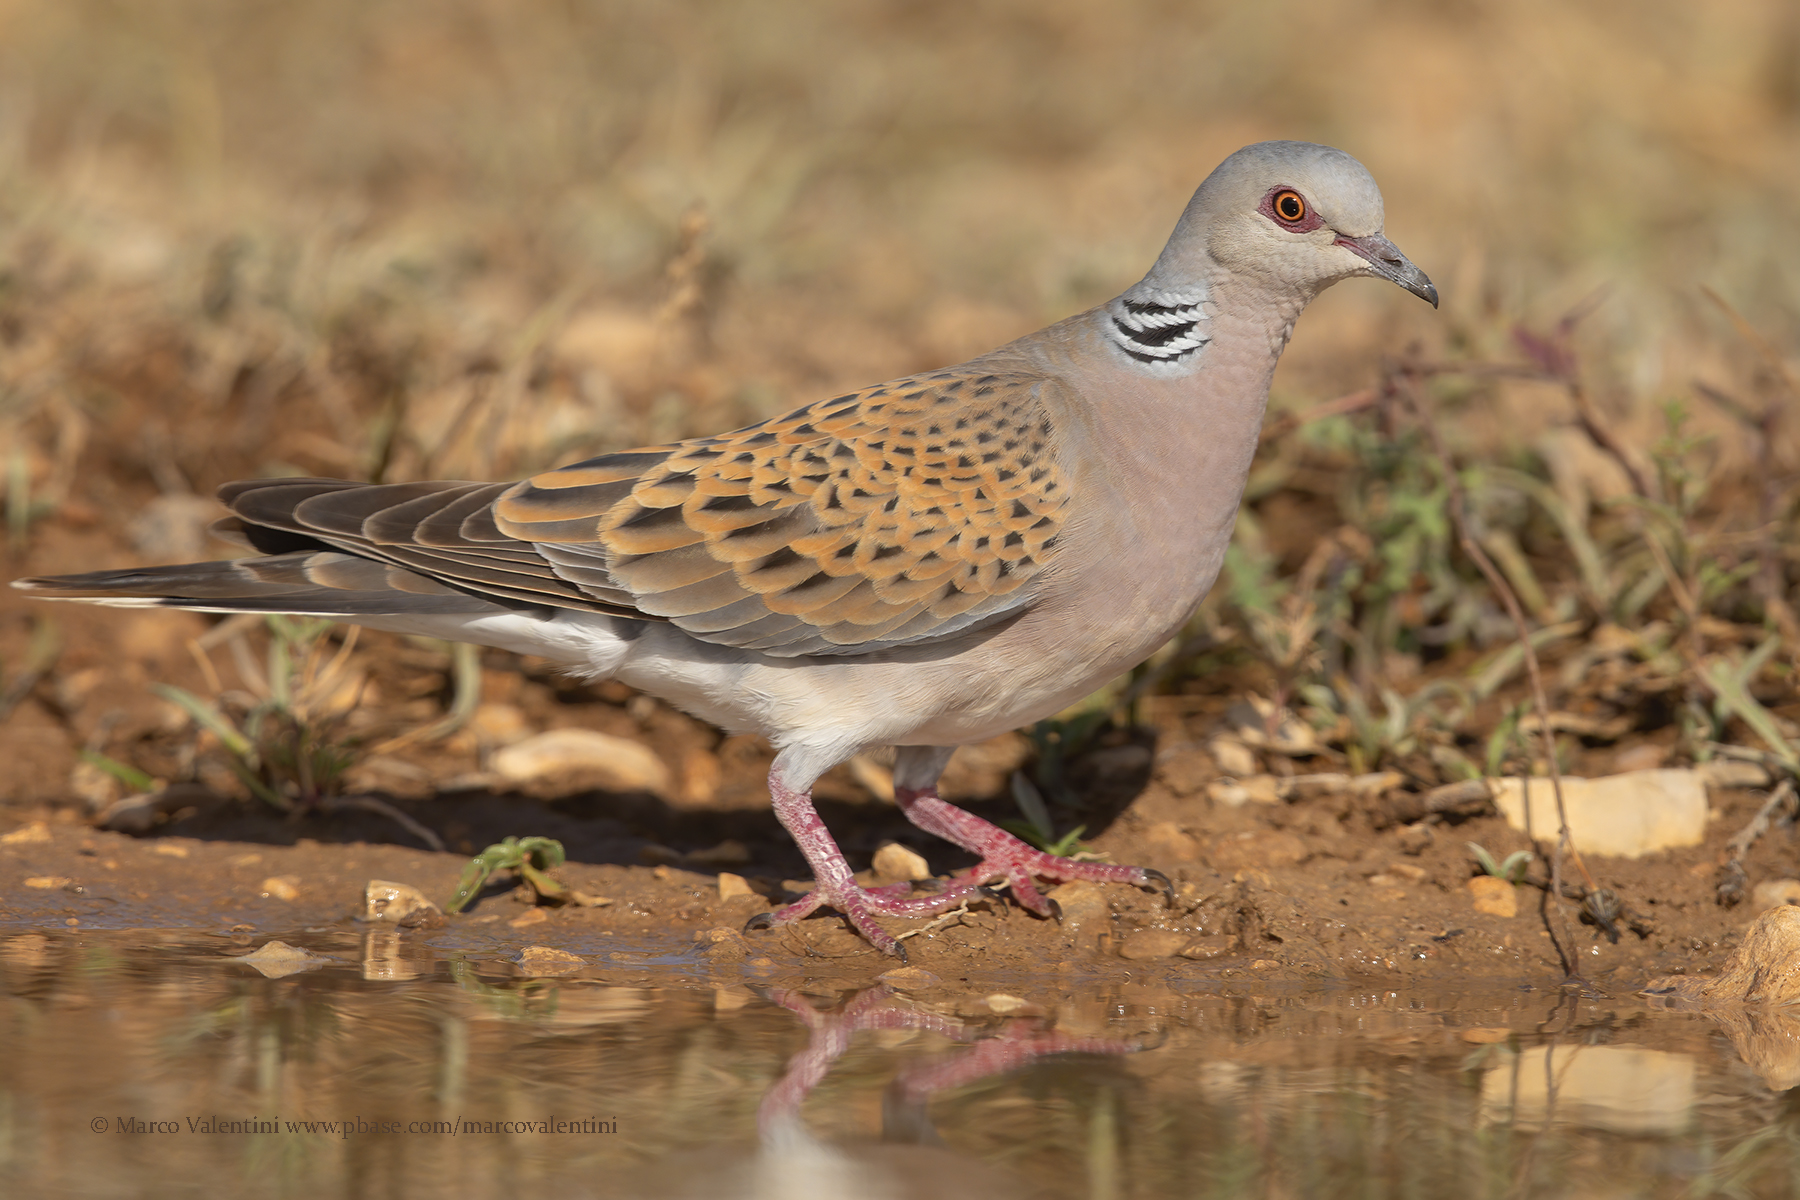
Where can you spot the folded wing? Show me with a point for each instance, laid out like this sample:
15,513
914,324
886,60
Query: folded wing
904,513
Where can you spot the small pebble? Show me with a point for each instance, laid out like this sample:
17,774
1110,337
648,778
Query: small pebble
1234,758
548,960
722,943
900,977
1203,948
1154,943
895,863
1494,896
1083,904
1773,893
399,903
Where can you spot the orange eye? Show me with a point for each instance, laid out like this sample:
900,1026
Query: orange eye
1290,206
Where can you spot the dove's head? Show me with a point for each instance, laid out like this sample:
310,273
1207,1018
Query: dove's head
1297,215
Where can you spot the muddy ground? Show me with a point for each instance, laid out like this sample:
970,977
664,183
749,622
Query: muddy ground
1331,887
409,241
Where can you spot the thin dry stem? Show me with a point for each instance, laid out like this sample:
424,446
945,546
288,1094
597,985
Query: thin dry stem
1770,356
1601,434
383,808
1472,547
1746,837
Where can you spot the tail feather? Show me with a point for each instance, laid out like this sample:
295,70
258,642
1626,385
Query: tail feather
326,583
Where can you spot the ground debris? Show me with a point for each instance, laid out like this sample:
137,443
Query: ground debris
399,904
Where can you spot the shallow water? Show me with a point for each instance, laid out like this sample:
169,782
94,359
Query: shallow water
145,1064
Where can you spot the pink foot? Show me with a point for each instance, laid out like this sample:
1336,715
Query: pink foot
1005,856
832,881
861,905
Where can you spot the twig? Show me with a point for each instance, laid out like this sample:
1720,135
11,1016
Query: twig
1601,435
1472,547
1733,875
961,910
1362,401
1747,331
1684,598
1759,824
1768,552
383,808
1556,359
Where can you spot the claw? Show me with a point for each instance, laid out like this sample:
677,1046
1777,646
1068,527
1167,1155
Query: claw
1153,876
1055,908
900,950
764,920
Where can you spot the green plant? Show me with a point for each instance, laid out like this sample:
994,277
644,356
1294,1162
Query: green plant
283,736
1729,679
1512,868
1036,828
529,857
130,776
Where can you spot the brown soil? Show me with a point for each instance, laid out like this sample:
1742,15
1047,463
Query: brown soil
1324,889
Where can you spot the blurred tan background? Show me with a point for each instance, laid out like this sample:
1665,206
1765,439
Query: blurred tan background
473,238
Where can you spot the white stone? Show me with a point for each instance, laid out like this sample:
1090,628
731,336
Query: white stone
1234,758
619,764
1625,816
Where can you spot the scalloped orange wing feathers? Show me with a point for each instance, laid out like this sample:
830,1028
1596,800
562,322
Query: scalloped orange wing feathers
902,513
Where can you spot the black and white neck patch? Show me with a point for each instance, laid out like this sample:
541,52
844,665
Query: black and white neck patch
1160,331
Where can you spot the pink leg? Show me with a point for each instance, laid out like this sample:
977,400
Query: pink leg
832,881
1003,855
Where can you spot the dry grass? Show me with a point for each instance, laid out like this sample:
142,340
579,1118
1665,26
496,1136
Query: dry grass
472,239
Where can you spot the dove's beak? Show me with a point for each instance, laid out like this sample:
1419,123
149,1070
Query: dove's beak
1387,261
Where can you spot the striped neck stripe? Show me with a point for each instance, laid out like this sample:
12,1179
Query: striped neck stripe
1151,332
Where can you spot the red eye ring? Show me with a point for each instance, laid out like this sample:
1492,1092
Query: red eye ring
1289,206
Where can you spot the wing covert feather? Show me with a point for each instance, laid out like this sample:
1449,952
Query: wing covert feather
905,512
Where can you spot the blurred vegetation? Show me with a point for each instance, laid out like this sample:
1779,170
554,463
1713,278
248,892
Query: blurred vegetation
470,239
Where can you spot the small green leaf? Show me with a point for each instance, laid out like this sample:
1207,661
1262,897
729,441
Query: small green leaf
131,777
